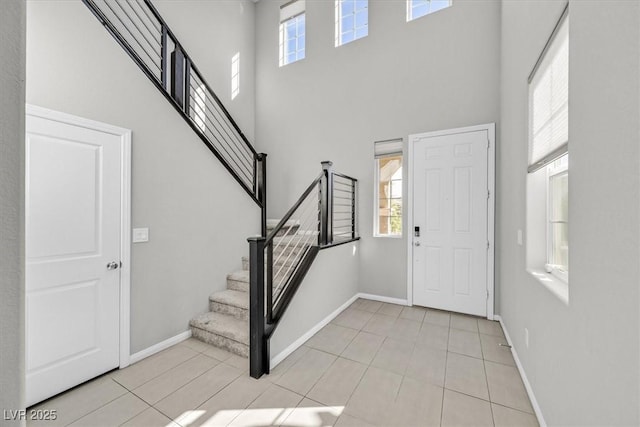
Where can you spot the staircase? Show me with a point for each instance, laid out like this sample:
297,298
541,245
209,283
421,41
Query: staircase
226,325
324,216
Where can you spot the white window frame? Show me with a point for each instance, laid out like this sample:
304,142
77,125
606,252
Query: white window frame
554,171
410,8
299,14
376,197
340,31
542,168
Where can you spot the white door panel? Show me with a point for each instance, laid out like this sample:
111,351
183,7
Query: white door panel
450,188
72,231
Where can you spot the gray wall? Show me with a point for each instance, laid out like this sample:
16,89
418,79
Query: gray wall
199,217
12,72
437,72
331,281
583,359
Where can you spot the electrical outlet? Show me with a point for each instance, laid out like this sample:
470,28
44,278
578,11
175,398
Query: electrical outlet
526,337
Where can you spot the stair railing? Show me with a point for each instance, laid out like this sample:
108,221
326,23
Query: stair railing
324,216
138,27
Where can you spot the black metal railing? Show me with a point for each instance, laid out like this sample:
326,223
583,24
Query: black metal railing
138,27
324,216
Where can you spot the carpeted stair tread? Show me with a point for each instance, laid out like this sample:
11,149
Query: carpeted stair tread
239,276
223,325
231,297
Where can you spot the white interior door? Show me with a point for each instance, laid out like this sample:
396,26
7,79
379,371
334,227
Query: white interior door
450,209
73,220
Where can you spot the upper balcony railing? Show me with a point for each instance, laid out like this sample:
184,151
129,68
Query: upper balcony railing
138,27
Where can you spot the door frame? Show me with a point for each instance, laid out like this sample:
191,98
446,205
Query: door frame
125,213
490,128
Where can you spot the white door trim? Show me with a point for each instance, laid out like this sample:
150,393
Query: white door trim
490,128
125,214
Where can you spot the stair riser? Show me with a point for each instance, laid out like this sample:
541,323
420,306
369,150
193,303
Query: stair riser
237,285
237,312
221,342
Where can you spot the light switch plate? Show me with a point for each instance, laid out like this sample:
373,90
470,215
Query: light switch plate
140,235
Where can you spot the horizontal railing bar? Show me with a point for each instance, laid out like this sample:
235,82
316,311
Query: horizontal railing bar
246,172
341,242
342,191
222,107
282,284
336,174
144,22
157,81
243,160
288,215
134,37
346,184
218,108
213,113
158,20
306,210
297,244
210,106
342,204
342,198
153,46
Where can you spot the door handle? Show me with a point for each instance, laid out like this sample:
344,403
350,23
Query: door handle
416,244
113,265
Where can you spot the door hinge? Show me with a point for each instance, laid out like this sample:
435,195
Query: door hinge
488,194
488,143
488,244
487,293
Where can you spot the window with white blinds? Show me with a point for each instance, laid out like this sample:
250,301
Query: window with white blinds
549,100
388,147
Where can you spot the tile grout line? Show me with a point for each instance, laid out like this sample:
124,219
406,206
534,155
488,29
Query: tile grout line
486,380
444,382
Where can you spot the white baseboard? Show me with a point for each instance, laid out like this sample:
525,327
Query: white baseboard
380,298
525,380
143,354
297,343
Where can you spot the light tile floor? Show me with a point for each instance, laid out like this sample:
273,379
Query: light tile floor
374,364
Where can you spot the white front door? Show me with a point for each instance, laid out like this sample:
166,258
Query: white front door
450,227
73,220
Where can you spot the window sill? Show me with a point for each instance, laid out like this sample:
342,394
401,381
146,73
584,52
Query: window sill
559,288
388,236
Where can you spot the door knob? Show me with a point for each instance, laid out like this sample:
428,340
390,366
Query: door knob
416,244
113,265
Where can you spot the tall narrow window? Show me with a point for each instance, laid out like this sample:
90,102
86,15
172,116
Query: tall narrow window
352,20
235,75
388,188
292,32
548,180
419,8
